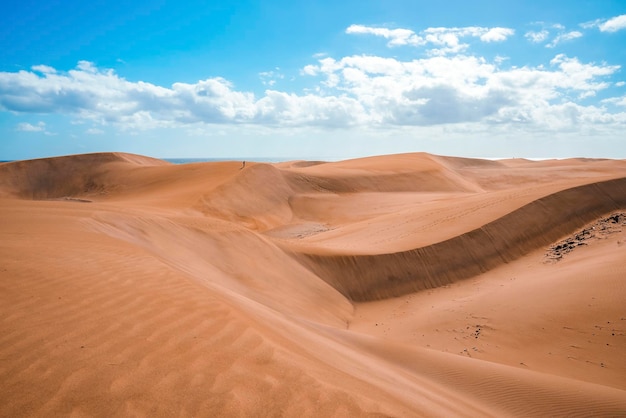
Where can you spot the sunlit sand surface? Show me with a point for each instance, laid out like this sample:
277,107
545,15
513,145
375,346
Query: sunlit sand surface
401,285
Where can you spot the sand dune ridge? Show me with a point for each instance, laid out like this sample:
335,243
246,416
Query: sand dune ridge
533,226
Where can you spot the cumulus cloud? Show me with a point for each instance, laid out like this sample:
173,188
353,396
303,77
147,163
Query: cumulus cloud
43,69
444,40
614,24
103,97
497,34
448,39
356,90
451,90
396,37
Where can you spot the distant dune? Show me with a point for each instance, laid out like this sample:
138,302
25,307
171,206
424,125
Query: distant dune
399,285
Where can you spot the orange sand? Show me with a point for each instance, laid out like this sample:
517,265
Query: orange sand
402,285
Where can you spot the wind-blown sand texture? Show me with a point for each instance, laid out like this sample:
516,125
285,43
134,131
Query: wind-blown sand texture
402,285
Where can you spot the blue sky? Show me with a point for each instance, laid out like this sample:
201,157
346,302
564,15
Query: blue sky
296,79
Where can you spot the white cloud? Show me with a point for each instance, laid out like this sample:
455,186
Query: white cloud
448,39
94,131
497,34
564,37
444,90
560,35
619,101
269,78
500,59
591,24
356,90
537,37
43,69
103,97
309,69
279,108
445,40
614,24
396,37
27,127
87,66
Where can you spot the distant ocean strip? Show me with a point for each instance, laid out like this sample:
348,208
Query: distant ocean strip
213,160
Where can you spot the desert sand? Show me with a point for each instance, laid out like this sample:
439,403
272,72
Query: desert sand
404,285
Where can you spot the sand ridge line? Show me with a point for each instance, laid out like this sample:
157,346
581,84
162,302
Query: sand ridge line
370,277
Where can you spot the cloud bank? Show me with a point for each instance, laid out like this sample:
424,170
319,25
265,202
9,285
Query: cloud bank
446,87
354,90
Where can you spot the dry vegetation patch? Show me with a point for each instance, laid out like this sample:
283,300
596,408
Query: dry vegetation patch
597,230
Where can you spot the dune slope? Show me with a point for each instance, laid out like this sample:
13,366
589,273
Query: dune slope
400,285
535,225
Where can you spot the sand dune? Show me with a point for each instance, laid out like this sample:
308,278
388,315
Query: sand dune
400,285
537,224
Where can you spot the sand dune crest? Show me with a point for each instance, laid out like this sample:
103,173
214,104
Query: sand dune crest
533,226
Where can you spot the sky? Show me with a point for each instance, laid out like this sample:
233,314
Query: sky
313,79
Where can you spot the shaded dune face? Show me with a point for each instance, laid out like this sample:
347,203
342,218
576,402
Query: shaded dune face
399,285
533,226
70,176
